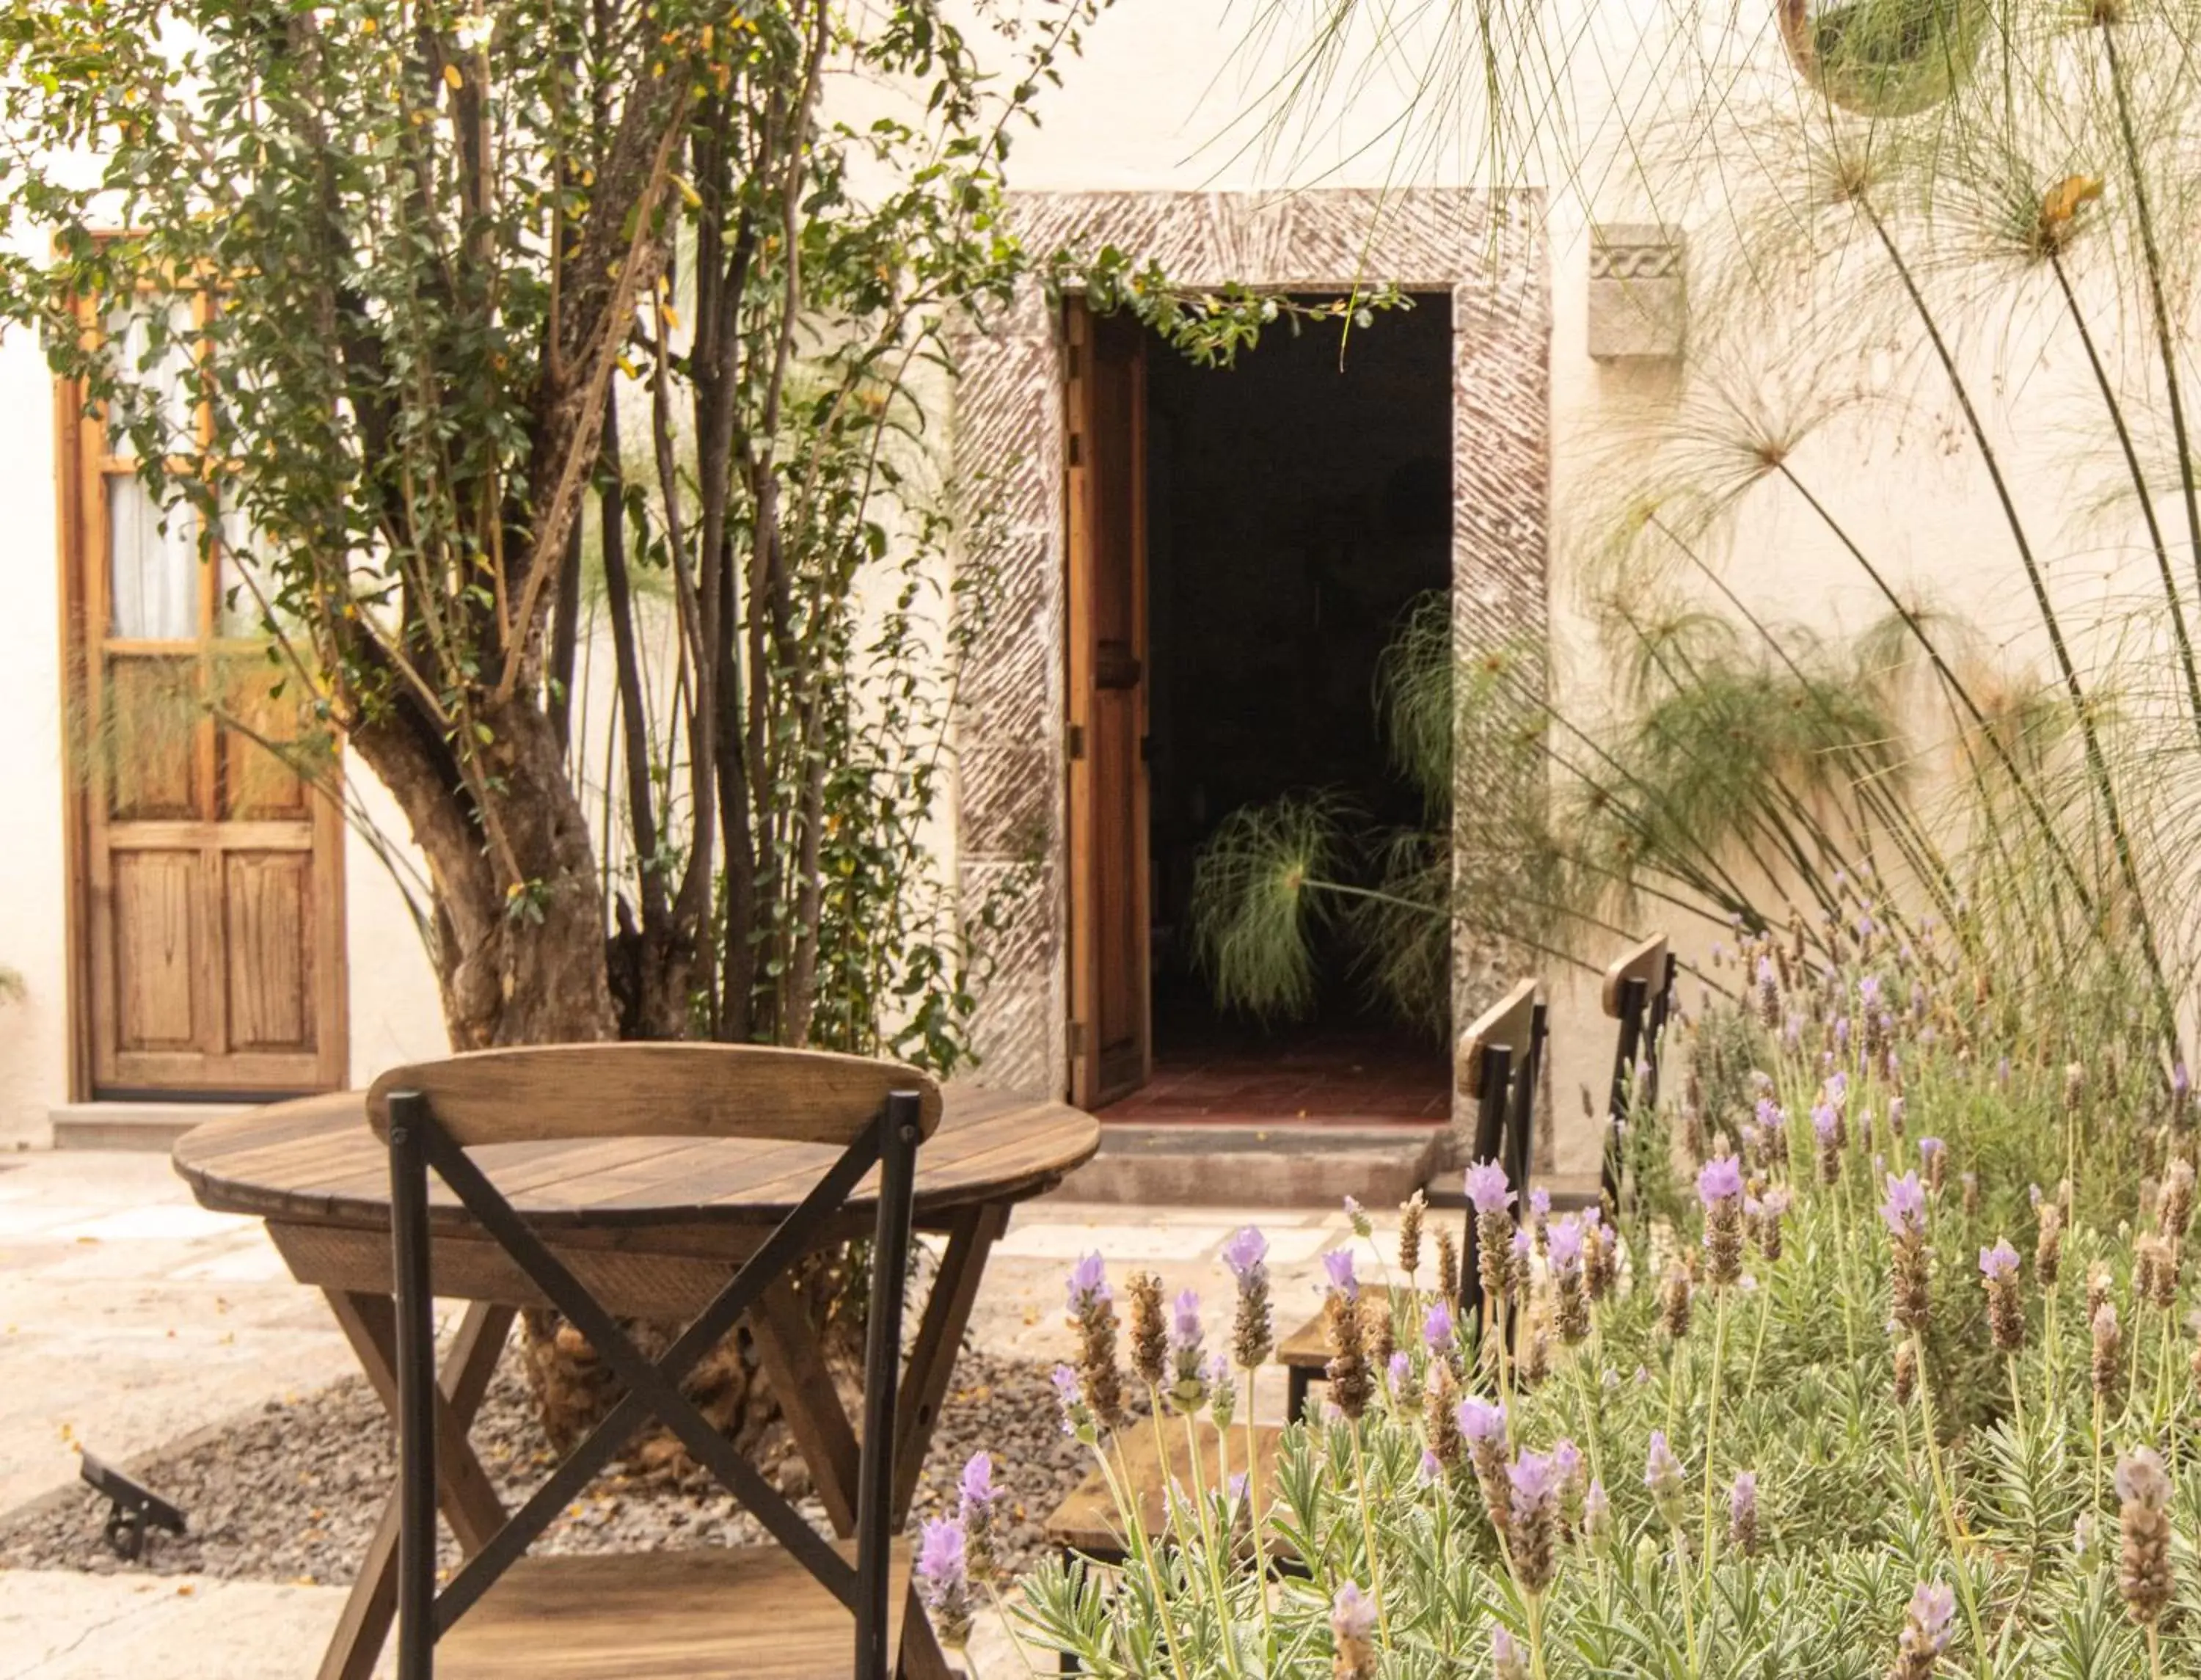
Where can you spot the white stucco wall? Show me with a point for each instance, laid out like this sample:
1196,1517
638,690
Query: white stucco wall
33,1029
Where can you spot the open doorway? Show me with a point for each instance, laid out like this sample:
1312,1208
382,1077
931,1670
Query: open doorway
1244,542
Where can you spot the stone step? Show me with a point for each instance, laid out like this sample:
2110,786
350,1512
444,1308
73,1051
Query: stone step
1297,1164
150,1127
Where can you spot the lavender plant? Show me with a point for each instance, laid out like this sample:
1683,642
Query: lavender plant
1744,1491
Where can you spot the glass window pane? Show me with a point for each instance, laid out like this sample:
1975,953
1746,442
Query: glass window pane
153,565
162,376
245,590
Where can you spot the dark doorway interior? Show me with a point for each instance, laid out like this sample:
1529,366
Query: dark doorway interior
1294,506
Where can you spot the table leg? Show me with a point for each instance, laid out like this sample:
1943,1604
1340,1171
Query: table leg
781,1332
971,1240
470,1504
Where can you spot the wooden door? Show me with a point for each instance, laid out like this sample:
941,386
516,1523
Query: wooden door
1110,1048
207,884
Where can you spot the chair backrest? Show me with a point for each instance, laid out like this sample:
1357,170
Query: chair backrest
1638,993
1499,1066
535,1092
429,1115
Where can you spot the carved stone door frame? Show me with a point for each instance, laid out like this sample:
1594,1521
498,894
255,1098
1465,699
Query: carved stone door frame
1486,251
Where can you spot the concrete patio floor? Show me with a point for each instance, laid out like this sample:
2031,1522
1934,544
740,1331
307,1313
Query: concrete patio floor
130,1318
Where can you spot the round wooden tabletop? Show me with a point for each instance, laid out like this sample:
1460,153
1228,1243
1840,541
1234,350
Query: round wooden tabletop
315,1161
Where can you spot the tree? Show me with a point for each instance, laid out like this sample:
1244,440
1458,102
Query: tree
457,258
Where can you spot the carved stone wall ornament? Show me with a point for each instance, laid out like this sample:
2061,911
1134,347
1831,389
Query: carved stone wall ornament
1637,301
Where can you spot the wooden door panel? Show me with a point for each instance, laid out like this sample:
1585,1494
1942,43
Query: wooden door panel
1110,990
267,923
146,744
256,782
156,943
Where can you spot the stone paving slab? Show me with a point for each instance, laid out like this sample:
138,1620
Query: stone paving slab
129,1316
59,1625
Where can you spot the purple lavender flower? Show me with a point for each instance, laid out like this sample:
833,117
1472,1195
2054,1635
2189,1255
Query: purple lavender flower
1506,1662
1432,1467
1536,1480
1841,1032
1929,1147
1566,1460
1523,1246
940,1555
1662,1474
1838,1087
1999,1261
1742,1499
1184,1322
1437,1328
1932,1610
1338,1262
1895,1117
1597,1510
1488,1189
1719,1180
1904,1211
1351,1614
1826,1124
1244,1252
1869,992
976,1485
1088,1284
1540,1203
1481,1419
1566,1252
1400,1371
1066,1384
1770,1116
943,1577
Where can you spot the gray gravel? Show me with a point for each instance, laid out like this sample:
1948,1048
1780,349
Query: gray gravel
292,1492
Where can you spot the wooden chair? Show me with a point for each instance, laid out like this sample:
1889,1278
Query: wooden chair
802,1608
1499,1065
1638,993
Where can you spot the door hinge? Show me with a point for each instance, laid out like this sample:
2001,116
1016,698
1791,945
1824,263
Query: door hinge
1073,741
1077,1038
1076,453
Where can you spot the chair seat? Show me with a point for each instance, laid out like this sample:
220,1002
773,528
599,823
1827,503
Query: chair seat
1087,1521
720,1612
